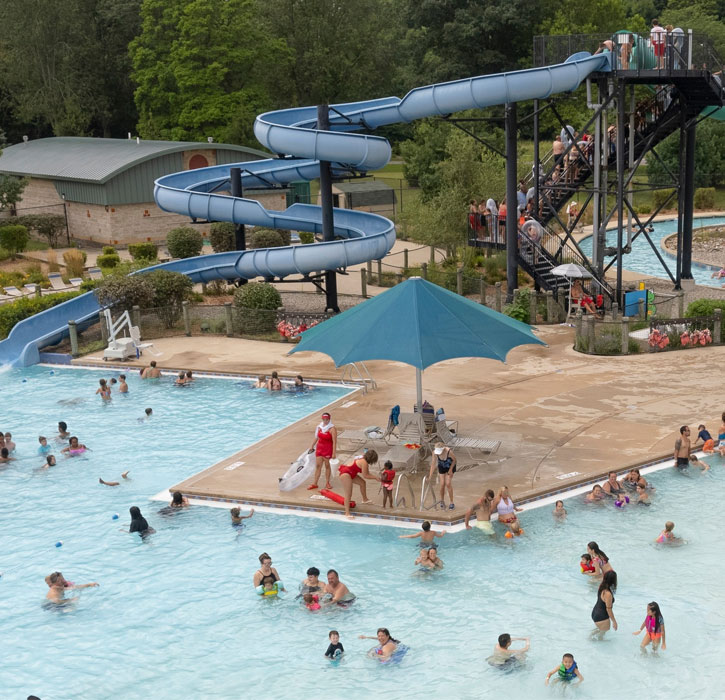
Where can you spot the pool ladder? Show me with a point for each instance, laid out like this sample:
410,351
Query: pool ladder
358,374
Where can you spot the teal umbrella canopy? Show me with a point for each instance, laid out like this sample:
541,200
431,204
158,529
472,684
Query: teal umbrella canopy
418,323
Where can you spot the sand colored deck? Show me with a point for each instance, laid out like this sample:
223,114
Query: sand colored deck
556,412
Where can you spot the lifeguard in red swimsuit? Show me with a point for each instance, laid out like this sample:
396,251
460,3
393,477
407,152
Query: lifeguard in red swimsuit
325,446
356,473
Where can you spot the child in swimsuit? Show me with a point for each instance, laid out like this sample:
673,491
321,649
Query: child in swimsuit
667,536
427,536
642,496
654,626
566,672
335,649
386,480
312,602
585,563
559,511
44,446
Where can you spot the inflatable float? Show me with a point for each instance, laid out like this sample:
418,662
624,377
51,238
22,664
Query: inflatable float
301,469
335,497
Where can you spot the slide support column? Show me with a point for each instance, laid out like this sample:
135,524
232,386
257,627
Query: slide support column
235,176
328,225
512,266
689,186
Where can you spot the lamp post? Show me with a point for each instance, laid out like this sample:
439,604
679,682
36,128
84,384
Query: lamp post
65,214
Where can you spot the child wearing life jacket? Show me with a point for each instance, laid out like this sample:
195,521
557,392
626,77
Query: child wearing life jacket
586,565
654,626
566,672
386,481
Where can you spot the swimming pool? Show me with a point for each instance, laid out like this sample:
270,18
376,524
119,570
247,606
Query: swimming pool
642,258
175,617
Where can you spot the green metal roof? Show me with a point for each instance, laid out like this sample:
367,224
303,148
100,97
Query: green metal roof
81,159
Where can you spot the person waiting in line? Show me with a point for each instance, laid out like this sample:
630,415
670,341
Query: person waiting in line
502,210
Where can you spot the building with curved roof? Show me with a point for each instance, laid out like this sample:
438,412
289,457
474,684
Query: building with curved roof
105,187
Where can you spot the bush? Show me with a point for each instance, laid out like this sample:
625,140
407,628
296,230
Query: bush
222,236
14,238
74,260
109,250
108,260
265,238
643,209
519,308
89,285
257,295
4,255
217,288
659,196
170,289
307,237
16,311
705,198
143,251
51,258
184,242
49,226
125,291
706,307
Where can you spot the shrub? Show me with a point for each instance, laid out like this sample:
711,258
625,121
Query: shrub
307,237
49,226
184,242
14,238
74,262
217,288
89,285
705,198
659,196
265,238
143,251
706,307
109,250
4,255
519,308
125,291
52,259
16,311
108,260
256,303
170,289
644,209
222,236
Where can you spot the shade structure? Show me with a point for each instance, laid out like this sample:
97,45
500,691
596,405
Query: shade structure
420,324
570,270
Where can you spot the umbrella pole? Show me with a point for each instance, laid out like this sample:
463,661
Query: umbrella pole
419,389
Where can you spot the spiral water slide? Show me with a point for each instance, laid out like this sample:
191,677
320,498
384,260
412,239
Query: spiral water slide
293,134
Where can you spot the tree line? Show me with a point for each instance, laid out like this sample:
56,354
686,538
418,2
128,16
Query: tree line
191,69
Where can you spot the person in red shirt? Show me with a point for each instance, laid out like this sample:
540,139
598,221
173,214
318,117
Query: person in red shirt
386,480
325,447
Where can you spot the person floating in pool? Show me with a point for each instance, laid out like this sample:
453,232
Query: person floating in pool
122,385
504,657
559,511
63,433
682,449
482,508
603,610
654,626
44,448
335,649
237,516
124,475
151,372
49,462
337,593
596,495
427,536
58,586
356,473
311,583
139,523
104,390
667,536
178,500
9,442
566,672
428,559
274,383
266,572
387,646
75,448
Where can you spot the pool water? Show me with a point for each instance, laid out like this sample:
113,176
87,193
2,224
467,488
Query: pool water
176,617
642,258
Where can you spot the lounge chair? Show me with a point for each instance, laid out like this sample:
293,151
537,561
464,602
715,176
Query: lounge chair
15,293
95,273
465,442
373,435
75,282
31,289
57,284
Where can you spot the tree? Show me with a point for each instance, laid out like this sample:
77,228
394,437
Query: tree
203,68
602,17
11,191
170,290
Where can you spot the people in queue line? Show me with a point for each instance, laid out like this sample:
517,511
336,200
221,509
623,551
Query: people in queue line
357,473
506,508
603,610
151,372
482,508
386,644
266,573
274,383
324,446
506,658
445,460
427,536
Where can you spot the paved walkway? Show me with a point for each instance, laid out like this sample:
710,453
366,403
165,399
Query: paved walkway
562,417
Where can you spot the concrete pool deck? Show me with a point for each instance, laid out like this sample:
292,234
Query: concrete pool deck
562,418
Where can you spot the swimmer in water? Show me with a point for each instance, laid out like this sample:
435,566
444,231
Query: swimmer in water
63,433
559,511
114,483
74,448
515,530
9,442
58,586
139,523
654,626
482,508
386,644
5,455
428,559
586,566
335,648
122,386
49,462
642,496
505,657
44,446
181,379
104,390
147,415
261,382
237,516
274,384
151,372
596,495
178,500
667,536
566,672
312,601
694,462
189,377
427,536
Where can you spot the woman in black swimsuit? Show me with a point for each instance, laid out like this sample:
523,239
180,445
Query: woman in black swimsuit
266,573
445,460
612,487
602,613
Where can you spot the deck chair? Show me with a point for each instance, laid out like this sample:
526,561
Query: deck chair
30,289
15,293
57,283
140,347
95,273
373,435
75,283
469,443
412,429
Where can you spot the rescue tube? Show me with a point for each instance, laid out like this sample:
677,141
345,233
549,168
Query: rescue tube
335,497
301,469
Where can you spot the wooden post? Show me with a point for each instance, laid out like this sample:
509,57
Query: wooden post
369,268
550,307
424,270
432,254
73,333
380,273
228,318
615,311
533,302
498,297
185,314
405,256
640,303
104,329
459,281
717,328
364,283
483,291
625,335
680,304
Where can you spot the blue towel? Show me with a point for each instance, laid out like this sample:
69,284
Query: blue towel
395,415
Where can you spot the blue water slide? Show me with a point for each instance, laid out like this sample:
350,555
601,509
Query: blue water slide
293,134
